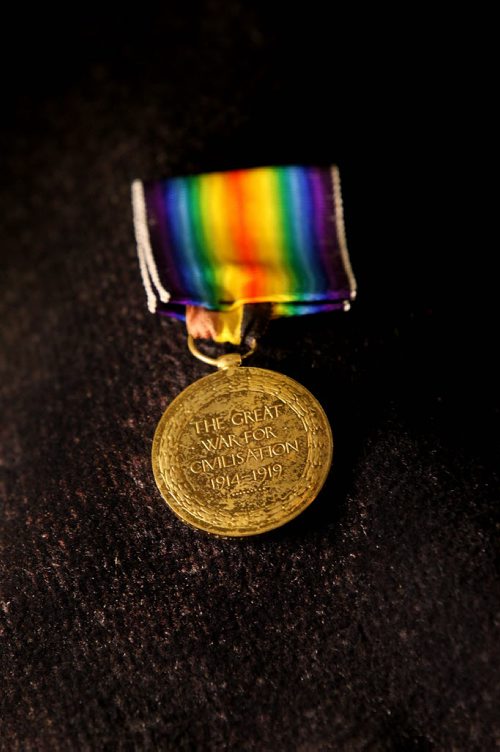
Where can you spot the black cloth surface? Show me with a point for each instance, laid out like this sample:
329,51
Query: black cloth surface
368,623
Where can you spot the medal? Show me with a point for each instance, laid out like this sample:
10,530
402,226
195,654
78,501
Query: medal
242,450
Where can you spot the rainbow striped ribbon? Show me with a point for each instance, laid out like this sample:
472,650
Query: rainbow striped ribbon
223,239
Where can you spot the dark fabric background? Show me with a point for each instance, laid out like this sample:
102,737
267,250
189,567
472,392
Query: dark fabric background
368,623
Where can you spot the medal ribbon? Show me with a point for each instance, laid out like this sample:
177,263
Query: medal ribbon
268,240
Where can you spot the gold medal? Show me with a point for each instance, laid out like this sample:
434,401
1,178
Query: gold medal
241,451
244,450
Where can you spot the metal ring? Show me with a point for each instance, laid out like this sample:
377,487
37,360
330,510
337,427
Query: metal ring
223,361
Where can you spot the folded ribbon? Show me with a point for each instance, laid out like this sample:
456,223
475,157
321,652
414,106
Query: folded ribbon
223,240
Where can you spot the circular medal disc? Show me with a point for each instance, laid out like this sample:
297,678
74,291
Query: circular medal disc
242,451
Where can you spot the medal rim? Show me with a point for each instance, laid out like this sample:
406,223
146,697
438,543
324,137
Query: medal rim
185,517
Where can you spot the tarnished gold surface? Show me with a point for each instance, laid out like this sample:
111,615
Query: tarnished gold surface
242,451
